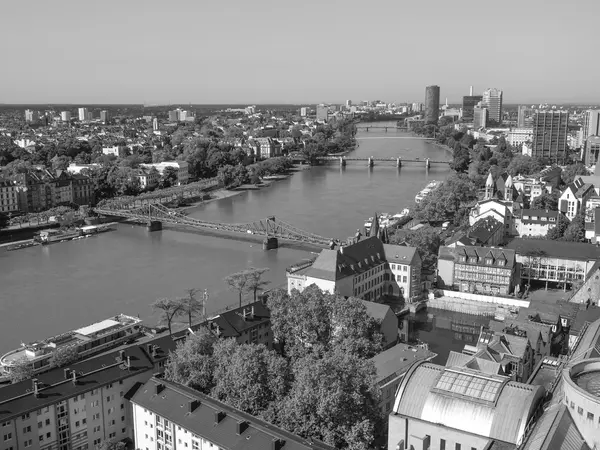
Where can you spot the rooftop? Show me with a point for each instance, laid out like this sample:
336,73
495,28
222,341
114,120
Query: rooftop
396,360
215,421
558,249
56,385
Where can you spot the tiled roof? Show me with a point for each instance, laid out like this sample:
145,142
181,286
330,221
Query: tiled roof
17,399
484,229
199,414
481,253
376,310
398,359
558,249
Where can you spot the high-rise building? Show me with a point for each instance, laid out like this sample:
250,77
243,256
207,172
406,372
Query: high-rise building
480,116
348,103
303,112
524,116
65,116
31,116
469,102
492,99
591,124
174,115
432,104
322,113
417,107
592,150
155,124
83,114
104,116
550,132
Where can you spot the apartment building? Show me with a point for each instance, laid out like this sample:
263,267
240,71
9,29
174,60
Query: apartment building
537,222
147,177
9,197
531,187
550,132
76,407
367,269
169,416
117,151
267,147
485,270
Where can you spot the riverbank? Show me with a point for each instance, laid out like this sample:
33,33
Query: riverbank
442,146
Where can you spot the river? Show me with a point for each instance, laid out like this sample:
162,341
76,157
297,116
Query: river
51,289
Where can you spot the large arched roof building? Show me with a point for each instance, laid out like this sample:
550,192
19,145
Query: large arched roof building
445,406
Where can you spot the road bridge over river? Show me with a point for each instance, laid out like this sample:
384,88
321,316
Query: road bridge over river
269,229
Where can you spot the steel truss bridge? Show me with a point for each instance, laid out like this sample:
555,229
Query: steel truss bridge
269,227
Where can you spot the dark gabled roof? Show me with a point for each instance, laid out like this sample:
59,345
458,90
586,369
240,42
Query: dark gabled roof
18,399
233,323
480,253
198,413
577,251
484,229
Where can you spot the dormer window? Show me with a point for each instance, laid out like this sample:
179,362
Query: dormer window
501,262
473,259
463,259
489,261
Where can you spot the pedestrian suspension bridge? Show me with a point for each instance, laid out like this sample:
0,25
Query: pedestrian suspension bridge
272,229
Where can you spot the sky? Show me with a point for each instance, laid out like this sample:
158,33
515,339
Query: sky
301,52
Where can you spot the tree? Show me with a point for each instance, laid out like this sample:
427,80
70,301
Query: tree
63,356
426,240
447,200
249,377
238,282
22,369
334,399
557,232
575,232
545,201
255,281
460,160
569,173
169,309
60,162
112,445
316,321
524,165
192,363
169,177
191,306
4,221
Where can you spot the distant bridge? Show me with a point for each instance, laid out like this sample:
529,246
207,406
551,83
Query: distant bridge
370,162
154,215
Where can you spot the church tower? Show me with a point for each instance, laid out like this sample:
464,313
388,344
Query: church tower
508,188
489,187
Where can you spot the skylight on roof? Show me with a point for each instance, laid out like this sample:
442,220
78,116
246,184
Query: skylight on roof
469,385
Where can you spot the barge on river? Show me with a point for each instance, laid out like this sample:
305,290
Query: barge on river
81,343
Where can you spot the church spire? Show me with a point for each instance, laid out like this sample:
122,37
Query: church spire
374,231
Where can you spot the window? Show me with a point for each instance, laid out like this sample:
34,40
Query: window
40,425
111,410
95,403
25,416
94,391
27,429
442,444
96,429
109,386
112,435
47,421
96,416
41,438
7,437
77,424
457,446
48,435
28,443
590,416
579,411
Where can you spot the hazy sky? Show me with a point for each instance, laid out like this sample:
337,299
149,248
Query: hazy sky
311,51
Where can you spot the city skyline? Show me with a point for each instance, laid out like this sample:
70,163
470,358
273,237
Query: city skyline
214,53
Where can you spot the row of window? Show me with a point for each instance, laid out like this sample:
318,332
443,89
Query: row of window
399,267
589,415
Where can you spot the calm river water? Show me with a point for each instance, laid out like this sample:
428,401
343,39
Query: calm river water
48,290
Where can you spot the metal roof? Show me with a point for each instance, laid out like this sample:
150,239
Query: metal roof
485,405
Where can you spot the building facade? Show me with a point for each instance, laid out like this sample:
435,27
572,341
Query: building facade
182,167
550,133
169,416
367,269
480,116
592,151
9,197
432,104
468,105
574,198
484,270
591,125
518,136
492,101
537,222
322,113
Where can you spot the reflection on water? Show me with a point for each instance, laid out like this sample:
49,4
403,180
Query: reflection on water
444,331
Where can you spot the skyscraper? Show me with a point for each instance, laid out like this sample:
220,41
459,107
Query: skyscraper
550,131
591,124
492,100
480,116
432,104
65,116
104,116
469,102
523,116
348,103
83,114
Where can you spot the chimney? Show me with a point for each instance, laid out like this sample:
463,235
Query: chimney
36,391
128,363
74,377
219,416
277,444
471,91
252,312
122,354
67,373
240,427
193,405
159,388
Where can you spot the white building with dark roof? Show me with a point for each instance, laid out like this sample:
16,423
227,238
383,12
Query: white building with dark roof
537,222
171,416
366,269
455,407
